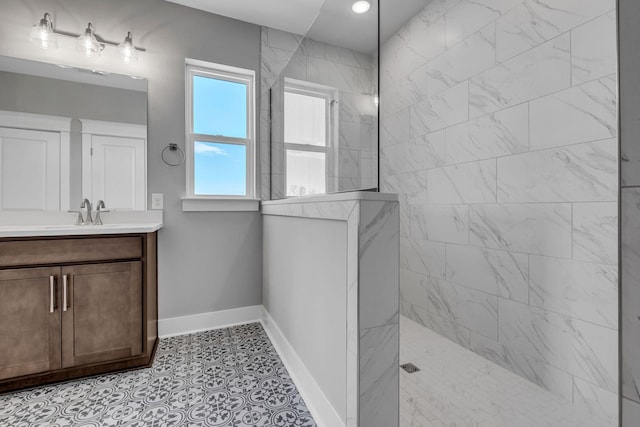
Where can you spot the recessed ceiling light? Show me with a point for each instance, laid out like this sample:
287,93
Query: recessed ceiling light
361,6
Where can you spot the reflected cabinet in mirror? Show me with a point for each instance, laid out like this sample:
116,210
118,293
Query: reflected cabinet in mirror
319,132
67,134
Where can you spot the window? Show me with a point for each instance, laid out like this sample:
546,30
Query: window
220,132
307,136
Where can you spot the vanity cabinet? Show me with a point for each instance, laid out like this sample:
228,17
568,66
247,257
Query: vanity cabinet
71,307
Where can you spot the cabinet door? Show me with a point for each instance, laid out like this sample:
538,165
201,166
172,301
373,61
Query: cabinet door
29,170
29,321
115,171
101,312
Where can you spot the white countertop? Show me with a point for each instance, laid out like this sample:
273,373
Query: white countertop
36,224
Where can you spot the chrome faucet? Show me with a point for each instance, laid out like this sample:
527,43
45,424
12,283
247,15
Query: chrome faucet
100,207
86,204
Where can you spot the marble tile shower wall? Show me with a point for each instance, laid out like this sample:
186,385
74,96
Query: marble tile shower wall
284,54
498,130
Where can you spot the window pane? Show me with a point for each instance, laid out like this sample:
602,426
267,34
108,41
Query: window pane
219,107
220,169
305,173
305,120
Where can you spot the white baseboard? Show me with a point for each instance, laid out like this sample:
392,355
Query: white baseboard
207,321
323,412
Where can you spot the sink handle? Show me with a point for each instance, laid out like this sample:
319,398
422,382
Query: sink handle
80,219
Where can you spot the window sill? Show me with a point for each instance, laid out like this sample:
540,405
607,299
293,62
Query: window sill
207,204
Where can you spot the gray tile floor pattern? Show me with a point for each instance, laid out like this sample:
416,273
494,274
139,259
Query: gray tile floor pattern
225,377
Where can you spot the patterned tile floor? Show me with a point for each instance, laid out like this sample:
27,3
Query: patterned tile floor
458,388
225,377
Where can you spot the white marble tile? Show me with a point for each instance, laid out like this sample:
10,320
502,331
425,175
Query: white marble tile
405,93
535,73
593,49
413,287
379,376
539,229
476,311
422,257
444,327
281,39
326,210
580,114
581,290
536,21
630,259
500,273
424,152
275,61
344,77
471,15
546,376
466,183
466,59
581,348
577,173
494,135
379,263
630,413
348,163
394,128
414,186
459,388
447,223
426,37
595,232
596,401
445,109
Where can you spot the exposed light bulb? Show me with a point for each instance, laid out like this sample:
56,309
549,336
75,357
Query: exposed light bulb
88,43
376,100
361,6
127,50
43,35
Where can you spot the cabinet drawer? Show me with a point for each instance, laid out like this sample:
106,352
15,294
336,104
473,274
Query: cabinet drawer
64,251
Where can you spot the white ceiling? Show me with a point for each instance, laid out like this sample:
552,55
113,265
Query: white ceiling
329,21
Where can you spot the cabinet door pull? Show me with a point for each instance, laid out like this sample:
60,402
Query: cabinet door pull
64,293
52,306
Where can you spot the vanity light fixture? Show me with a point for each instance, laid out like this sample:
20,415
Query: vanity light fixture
361,6
127,50
88,43
43,35
46,36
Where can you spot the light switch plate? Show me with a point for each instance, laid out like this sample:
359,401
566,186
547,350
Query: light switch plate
157,201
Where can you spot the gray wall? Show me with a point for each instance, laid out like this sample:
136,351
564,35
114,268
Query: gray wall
499,133
207,261
629,37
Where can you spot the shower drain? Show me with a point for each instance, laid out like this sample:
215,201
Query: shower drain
410,368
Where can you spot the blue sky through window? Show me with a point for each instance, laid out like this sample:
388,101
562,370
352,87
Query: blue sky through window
219,107
220,169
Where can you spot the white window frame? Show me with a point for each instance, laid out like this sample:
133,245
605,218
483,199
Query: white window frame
330,94
198,202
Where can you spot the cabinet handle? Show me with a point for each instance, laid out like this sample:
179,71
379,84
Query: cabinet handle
64,293
51,294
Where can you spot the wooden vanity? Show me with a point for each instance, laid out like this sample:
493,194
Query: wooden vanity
73,306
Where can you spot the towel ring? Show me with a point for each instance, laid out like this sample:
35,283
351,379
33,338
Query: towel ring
173,147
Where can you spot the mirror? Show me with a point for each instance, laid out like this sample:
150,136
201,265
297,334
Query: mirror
67,134
320,104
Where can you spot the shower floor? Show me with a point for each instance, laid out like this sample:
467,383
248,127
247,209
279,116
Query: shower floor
457,388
